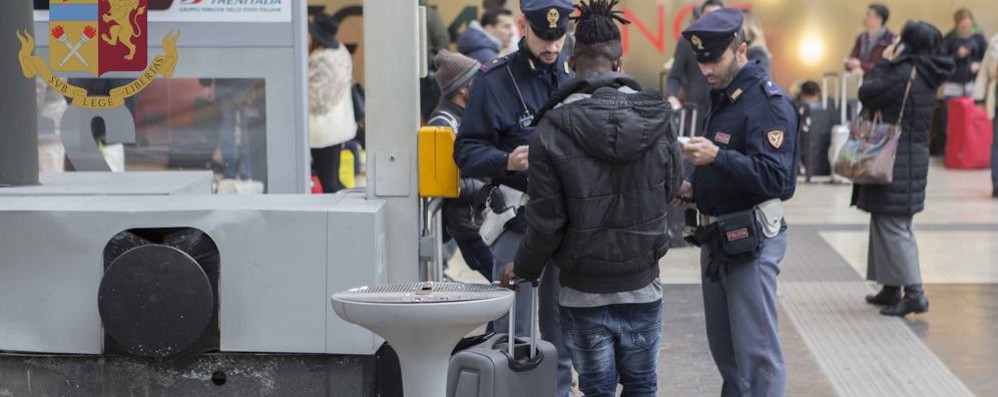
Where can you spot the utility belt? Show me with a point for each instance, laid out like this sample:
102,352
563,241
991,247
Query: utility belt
734,237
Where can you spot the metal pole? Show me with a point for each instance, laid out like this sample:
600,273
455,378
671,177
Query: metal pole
391,64
19,132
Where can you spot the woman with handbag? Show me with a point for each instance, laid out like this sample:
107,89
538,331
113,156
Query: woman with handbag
331,119
902,89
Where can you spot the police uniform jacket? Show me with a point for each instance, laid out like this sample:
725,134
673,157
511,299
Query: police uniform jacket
506,96
754,125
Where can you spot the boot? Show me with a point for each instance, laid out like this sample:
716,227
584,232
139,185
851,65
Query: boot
888,296
914,302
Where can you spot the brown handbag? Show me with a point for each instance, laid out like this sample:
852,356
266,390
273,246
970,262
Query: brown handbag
867,157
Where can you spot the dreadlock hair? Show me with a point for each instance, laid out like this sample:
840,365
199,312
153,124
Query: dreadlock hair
597,37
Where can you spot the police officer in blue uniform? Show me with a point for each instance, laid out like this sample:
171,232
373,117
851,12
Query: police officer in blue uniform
493,143
745,166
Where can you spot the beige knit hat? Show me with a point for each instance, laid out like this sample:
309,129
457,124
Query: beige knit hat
453,71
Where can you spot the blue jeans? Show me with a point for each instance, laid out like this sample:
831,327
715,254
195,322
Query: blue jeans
504,250
615,343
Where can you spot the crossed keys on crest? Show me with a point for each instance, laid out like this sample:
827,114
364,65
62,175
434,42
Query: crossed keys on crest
74,49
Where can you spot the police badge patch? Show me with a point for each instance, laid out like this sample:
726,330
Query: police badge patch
775,138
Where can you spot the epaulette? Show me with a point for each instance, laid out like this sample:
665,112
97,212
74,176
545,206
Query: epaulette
495,64
772,89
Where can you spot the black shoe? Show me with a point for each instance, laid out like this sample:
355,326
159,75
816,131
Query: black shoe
889,296
910,304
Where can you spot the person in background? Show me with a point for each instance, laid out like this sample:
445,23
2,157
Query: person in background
511,44
986,94
331,117
756,40
611,297
686,76
483,40
870,44
436,31
893,252
966,45
810,94
461,217
808,99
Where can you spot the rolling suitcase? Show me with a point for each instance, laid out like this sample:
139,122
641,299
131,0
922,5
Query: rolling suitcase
493,368
840,132
817,139
968,144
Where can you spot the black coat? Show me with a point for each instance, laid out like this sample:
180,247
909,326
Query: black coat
977,45
883,90
602,171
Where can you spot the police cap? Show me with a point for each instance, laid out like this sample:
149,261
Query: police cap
712,33
548,18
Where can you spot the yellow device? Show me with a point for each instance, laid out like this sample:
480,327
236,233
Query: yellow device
438,174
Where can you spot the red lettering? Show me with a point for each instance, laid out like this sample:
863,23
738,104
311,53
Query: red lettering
658,40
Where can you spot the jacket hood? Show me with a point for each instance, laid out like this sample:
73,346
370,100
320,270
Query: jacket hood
607,116
934,69
475,38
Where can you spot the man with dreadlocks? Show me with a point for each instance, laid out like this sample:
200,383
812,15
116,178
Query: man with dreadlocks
604,162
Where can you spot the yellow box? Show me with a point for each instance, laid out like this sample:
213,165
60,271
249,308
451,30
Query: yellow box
438,174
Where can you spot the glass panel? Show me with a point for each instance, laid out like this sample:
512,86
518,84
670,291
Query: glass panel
179,124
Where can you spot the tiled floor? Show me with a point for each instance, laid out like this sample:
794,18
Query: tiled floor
958,244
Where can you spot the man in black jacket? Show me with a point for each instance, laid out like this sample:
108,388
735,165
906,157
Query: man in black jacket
604,162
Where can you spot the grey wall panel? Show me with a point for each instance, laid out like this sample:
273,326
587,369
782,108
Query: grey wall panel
275,278
49,273
270,282
356,255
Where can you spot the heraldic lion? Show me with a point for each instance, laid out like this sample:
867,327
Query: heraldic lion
126,29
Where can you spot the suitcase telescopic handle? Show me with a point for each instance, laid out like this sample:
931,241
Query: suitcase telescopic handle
824,88
843,100
533,315
692,108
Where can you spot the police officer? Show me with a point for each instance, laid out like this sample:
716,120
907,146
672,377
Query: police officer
493,143
744,170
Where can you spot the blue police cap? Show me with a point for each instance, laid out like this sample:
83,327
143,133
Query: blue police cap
711,34
547,18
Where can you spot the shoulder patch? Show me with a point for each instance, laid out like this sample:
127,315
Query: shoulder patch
772,89
495,64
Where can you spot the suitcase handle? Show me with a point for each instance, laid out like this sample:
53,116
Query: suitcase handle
682,121
533,314
534,357
824,88
844,101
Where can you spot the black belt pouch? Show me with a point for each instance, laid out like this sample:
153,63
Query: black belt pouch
740,234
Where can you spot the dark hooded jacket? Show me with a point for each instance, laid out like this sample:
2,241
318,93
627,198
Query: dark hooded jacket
477,44
604,163
883,90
